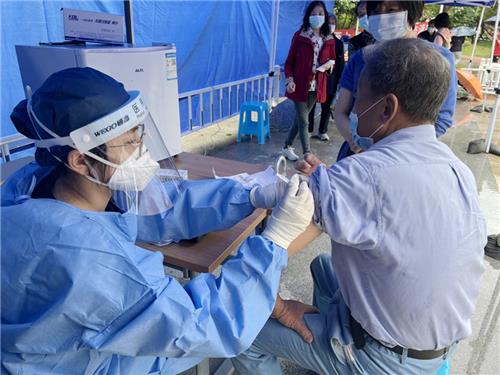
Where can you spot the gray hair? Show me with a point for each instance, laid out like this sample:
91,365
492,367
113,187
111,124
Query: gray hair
414,71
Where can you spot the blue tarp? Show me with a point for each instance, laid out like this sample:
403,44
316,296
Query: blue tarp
470,3
217,41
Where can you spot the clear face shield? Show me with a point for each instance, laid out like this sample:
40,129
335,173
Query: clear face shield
122,150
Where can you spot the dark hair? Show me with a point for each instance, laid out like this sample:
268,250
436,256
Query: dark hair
442,20
325,28
415,9
358,4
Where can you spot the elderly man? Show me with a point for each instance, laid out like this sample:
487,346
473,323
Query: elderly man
399,288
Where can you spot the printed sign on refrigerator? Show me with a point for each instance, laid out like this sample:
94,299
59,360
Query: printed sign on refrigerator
171,65
93,26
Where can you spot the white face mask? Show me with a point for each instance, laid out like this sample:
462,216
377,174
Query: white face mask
431,30
363,22
388,26
332,29
135,173
316,21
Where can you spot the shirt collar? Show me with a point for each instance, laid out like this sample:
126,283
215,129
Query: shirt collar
419,133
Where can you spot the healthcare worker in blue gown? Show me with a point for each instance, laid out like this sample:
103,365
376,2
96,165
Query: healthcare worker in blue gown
78,296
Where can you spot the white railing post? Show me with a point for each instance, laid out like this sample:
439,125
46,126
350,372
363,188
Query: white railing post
5,152
276,85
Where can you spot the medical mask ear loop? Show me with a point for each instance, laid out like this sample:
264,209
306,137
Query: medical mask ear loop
92,178
366,110
376,130
34,119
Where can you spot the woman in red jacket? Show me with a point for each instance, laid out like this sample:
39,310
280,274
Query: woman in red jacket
312,46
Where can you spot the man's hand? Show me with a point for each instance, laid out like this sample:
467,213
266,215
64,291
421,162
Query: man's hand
308,165
291,314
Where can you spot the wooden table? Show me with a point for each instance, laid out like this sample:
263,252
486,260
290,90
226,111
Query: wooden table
206,254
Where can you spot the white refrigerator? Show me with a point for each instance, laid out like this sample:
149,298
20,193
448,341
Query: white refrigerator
151,70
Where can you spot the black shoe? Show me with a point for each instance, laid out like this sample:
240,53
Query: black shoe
492,248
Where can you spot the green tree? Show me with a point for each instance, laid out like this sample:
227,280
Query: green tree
344,10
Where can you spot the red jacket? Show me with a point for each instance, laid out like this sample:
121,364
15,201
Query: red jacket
299,64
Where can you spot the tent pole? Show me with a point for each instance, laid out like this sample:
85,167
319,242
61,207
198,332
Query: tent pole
478,32
129,24
495,34
441,9
274,33
357,26
272,55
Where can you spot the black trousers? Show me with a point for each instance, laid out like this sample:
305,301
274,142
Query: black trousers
325,115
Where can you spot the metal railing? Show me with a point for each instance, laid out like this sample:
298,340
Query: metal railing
257,88
264,87
19,141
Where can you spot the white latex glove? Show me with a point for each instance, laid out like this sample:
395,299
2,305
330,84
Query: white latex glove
268,196
292,215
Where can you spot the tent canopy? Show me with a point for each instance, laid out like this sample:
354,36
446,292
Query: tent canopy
469,3
217,41
492,19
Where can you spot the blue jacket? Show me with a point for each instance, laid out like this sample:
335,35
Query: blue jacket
352,71
78,296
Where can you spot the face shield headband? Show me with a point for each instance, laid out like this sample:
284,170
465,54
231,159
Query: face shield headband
132,113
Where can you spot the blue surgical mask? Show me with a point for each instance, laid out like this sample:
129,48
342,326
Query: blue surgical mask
388,26
316,21
363,22
362,142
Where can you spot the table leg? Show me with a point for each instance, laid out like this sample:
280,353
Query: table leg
260,228
493,120
203,368
226,368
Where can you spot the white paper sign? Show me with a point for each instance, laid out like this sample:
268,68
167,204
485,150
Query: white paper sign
93,26
328,65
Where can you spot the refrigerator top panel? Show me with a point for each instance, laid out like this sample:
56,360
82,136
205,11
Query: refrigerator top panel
89,48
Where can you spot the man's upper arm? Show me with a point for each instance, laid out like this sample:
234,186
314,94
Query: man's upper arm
346,205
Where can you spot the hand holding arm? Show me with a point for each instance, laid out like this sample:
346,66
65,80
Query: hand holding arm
290,313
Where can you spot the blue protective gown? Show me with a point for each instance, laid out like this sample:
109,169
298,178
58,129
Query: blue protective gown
79,297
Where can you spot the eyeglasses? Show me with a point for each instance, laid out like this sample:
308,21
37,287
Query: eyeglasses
136,138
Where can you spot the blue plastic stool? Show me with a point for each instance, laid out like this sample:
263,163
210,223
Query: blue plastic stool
247,126
445,369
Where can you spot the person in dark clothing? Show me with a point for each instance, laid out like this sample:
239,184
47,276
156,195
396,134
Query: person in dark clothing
443,35
456,47
331,86
364,38
430,33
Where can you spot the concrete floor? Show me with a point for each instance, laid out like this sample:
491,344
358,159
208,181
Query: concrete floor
480,353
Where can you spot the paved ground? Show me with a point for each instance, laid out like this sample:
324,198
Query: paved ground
479,354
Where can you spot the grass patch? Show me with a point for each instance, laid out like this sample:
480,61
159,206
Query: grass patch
483,48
